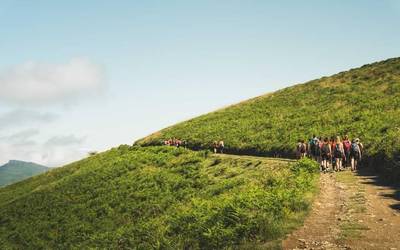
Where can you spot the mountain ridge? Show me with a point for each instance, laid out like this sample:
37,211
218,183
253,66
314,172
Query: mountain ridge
17,170
361,102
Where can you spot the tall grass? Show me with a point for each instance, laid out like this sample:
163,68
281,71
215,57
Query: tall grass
155,198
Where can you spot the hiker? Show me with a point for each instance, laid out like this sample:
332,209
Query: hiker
313,147
338,154
346,147
184,143
361,146
215,146
332,144
310,147
301,149
326,153
221,146
318,150
355,154
178,143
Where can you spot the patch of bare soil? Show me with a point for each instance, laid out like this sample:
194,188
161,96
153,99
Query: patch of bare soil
381,217
352,211
321,227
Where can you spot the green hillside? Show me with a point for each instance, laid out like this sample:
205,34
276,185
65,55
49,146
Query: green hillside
157,198
15,171
362,102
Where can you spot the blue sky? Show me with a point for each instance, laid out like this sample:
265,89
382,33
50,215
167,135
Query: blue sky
119,70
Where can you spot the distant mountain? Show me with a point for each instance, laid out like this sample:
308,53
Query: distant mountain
15,171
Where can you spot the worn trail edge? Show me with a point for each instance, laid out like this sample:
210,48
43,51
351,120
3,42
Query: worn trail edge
319,229
350,212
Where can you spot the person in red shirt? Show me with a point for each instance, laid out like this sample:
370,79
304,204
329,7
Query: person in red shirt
346,147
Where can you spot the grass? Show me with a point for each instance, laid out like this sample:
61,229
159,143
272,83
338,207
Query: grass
350,228
157,198
362,102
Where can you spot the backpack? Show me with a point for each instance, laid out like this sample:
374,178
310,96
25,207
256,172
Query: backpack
325,149
346,145
338,152
302,148
355,148
318,149
313,144
337,148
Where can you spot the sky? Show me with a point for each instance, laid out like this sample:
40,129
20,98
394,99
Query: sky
81,76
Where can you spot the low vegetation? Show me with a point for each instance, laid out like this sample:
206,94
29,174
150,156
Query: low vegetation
157,198
362,102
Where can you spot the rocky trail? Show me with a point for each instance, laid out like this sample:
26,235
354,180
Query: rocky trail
351,211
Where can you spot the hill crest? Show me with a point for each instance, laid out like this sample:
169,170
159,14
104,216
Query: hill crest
362,102
16,170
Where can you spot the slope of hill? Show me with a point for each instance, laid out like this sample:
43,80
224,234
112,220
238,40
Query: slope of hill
15,171
156,198
362,102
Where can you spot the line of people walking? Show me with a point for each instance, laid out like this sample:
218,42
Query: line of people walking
175,142
333,153
217,146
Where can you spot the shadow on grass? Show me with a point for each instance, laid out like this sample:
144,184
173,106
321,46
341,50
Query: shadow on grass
371,177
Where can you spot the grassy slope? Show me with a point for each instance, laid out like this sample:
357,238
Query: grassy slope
362,102
17,170
155,197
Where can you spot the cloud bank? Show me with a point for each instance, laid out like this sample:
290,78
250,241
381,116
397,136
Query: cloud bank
19,117
64,141
56,151
41,83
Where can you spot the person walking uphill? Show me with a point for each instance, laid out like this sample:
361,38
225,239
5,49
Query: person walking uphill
215,147
326,154
355,154
221,146
301,149
313,147
346,148
333,159
338,154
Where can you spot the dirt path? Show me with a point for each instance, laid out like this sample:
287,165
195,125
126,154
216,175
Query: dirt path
351,212
320,227
381,217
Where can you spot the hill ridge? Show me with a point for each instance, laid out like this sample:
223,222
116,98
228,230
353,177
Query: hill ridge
361,102
16,170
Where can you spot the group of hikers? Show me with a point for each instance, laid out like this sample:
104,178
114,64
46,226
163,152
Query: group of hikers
332,153
175,142
218,147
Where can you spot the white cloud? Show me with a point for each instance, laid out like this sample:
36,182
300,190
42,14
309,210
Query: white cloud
41,83
20,136
20,117
64,140
56,151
